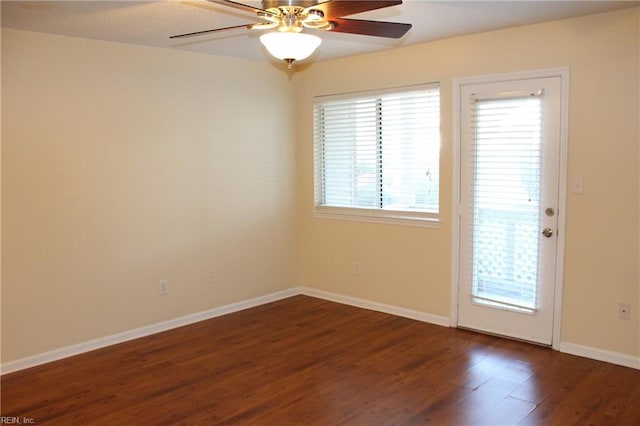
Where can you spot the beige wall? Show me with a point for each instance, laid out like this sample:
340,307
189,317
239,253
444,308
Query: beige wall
123,165
637,306
411,267
0,197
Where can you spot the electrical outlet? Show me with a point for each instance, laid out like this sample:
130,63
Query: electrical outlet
356,268
624,311
163,287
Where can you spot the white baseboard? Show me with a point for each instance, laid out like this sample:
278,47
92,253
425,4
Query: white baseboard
569,348
57,354
375,306
136,333
600,355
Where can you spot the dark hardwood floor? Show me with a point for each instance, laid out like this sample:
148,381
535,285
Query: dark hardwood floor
311,362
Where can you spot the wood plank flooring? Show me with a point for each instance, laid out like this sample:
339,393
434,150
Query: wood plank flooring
305,361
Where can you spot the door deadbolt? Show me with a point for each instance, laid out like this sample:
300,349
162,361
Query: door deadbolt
547,232
549,211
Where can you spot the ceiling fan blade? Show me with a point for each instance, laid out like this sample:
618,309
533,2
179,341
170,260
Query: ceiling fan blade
338,8
371,28
197,33
242,6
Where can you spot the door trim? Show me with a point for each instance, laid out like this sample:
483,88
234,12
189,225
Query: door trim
563,73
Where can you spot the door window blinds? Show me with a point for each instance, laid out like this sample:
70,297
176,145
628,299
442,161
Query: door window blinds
506,200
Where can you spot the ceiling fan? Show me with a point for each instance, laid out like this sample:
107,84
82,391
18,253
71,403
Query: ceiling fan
288,18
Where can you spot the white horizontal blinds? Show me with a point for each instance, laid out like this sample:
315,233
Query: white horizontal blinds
379,151
349,153
507,181
410,146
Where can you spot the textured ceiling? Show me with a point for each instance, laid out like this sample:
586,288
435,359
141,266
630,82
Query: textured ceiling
151,23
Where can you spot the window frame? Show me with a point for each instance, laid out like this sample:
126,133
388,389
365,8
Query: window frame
364,214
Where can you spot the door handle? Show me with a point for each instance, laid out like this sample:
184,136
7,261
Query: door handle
547,232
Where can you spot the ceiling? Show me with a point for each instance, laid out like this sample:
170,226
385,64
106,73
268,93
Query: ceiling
150,23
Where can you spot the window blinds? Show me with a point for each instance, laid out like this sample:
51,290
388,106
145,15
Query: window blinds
379,151
506,200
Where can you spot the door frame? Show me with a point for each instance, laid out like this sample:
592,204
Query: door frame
456,211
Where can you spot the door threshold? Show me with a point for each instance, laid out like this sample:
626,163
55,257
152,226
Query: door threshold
503,336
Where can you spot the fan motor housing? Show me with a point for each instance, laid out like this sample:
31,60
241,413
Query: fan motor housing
268,4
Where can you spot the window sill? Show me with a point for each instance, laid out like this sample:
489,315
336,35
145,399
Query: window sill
372,216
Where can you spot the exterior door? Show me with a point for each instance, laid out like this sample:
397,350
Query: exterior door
508,206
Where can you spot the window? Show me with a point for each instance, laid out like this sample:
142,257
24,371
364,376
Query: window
377,154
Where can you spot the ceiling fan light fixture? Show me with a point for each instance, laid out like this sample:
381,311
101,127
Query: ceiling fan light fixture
290,46
288,19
